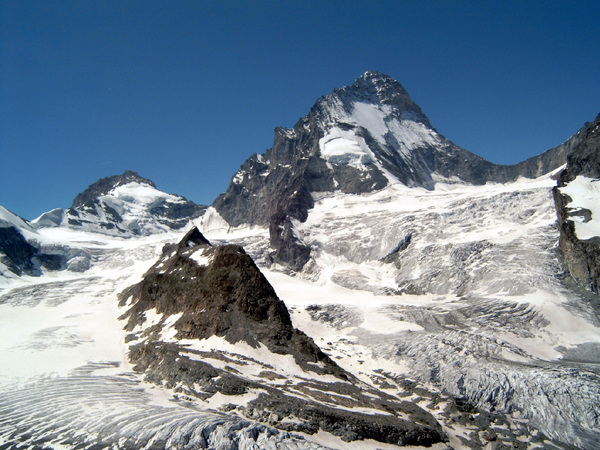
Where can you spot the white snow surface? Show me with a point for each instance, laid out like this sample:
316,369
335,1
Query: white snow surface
341,146
379,121
201,257
11,219
344,147
212,223
585,194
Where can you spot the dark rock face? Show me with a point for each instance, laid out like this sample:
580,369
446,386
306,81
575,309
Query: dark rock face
585,157
582,257
228,297
219,291
273,188
18,253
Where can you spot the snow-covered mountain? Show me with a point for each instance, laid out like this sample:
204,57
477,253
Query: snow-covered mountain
363,284
358,139
124,205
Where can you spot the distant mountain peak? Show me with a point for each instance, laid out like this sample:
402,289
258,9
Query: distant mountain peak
358,139
105,185
124,205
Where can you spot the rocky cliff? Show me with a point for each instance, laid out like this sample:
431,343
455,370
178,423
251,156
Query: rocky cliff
577,197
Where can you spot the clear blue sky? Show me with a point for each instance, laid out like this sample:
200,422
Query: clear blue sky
184,91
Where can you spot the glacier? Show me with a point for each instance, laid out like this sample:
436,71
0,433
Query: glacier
473,306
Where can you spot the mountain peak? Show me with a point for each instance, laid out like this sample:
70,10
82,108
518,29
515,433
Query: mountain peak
376,79
384,89
105,185
124,205
371,88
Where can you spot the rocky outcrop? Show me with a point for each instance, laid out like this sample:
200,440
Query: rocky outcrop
224,295
582,256
124,205
274,374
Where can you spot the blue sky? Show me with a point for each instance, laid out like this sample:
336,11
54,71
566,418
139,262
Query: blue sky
184,91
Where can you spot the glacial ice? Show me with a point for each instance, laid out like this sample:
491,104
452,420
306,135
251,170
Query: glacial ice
473,307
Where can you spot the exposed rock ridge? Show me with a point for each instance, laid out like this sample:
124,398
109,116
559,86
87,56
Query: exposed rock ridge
582,256
549,160
197,291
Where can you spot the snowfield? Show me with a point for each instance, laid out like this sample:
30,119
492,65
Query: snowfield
455,293
585,195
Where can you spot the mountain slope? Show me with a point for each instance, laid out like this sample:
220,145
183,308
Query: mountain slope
123,205
206,322
23,251
356,140
461,288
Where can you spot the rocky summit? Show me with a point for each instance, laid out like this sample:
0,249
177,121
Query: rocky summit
197,296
